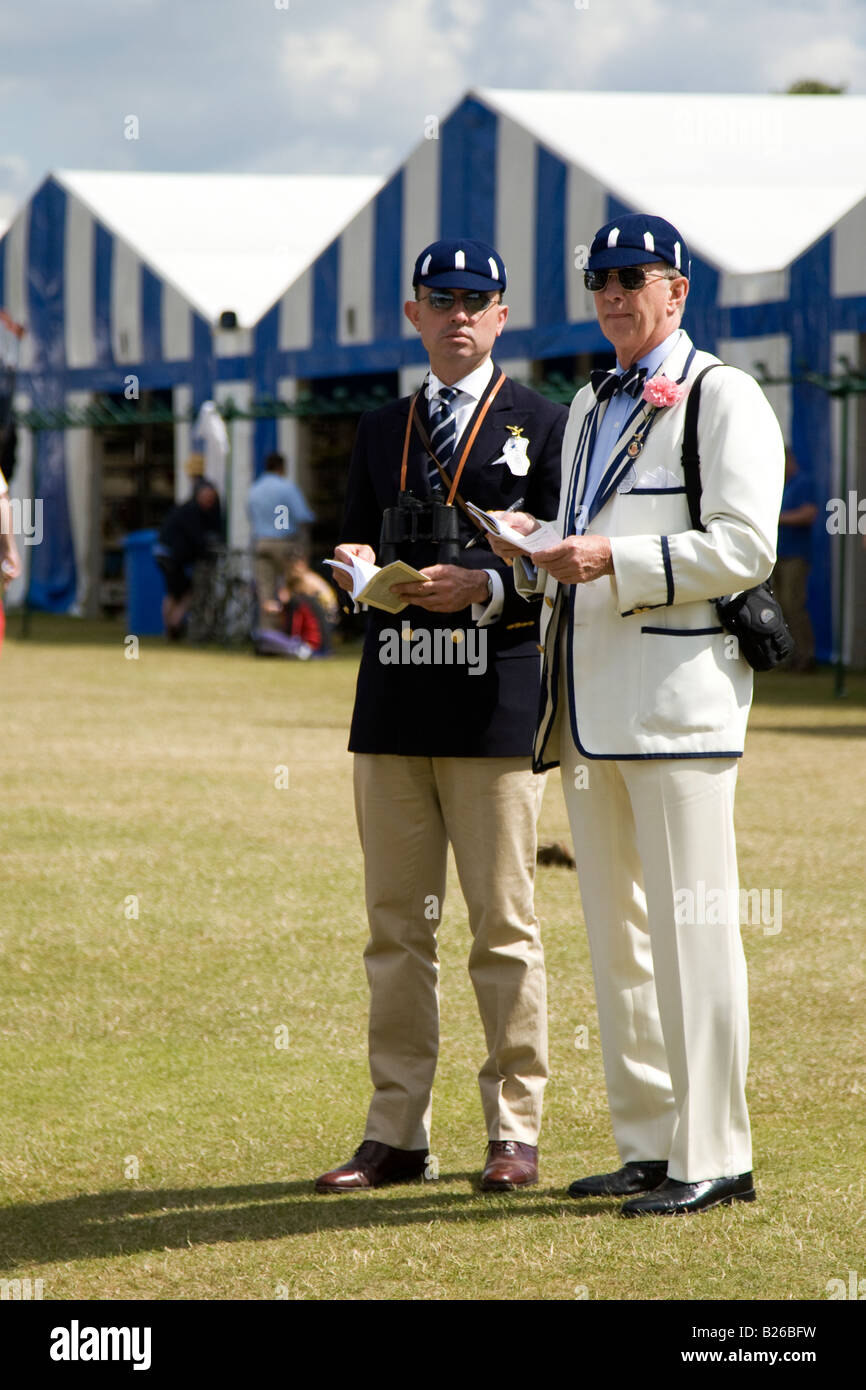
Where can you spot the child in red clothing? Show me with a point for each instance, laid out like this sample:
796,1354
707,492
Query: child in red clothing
308,608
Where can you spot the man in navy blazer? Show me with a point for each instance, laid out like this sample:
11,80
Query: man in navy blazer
442,729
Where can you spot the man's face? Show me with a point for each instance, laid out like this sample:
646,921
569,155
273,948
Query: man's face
456,342
636,321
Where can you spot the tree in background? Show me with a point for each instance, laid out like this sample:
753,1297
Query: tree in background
810,86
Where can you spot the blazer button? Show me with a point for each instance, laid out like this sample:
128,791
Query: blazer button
548,600
539,646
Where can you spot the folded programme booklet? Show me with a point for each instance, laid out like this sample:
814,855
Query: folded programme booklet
372,584
542,538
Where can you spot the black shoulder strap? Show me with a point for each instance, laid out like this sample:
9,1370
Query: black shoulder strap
690,458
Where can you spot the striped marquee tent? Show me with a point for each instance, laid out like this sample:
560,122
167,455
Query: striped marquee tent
120,281
769,191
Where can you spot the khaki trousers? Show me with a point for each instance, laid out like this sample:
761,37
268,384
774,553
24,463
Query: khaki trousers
670,981
270,557
791,586
408,810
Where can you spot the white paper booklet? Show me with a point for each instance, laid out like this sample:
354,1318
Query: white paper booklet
545,536
372,583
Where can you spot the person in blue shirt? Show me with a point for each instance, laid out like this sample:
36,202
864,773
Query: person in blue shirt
279,516
794,561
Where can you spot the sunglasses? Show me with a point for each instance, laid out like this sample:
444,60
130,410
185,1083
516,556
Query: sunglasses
630,277
473,302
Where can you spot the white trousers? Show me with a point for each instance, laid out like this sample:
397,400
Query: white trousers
671,988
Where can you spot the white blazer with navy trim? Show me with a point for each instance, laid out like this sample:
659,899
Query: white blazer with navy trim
651,673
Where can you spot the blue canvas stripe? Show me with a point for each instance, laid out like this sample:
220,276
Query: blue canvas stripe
811,439
550,249
467,172
103,258
203,372
388,291
52,563
326,279
151,315
265,377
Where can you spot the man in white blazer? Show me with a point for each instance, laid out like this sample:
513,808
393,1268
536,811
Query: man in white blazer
644,705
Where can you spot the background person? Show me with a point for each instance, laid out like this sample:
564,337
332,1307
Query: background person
307,612
279,517
184,540
794,561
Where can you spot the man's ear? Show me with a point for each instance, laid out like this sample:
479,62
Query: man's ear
679,291
410,309
502,316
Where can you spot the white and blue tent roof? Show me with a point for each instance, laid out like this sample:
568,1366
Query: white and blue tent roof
226,241
141,254
120,276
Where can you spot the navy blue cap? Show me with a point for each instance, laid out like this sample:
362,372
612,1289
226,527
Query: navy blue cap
460,265
638,239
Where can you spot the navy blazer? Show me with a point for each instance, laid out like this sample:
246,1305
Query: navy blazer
452,710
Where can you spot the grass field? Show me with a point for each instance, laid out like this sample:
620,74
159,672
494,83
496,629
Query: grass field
184,1008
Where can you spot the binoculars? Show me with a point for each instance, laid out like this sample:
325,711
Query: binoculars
420,519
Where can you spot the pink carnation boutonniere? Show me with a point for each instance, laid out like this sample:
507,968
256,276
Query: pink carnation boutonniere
661,391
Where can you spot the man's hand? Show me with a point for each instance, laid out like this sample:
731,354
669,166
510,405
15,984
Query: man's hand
10,564
449,589
518,521
10,560
344,551
577,560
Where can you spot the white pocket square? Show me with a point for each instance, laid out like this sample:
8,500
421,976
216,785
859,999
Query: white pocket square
659,477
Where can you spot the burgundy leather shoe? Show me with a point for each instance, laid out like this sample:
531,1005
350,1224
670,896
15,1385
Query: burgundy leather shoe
509,1165
372,1165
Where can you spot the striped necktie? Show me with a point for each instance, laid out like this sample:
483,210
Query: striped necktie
443,430
607,384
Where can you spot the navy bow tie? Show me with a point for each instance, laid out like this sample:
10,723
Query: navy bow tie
607,384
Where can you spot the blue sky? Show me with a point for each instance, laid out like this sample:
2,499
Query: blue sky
345,86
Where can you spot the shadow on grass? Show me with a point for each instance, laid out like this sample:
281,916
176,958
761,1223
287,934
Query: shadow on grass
107,1224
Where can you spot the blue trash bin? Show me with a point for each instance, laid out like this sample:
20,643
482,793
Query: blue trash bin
145,585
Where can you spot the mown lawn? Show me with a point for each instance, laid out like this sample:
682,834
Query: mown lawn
184,1007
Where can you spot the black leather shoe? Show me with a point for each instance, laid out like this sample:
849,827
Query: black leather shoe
674,1197
372,1165
631,1178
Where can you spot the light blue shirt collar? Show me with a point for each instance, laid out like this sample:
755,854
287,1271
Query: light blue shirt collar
653,359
